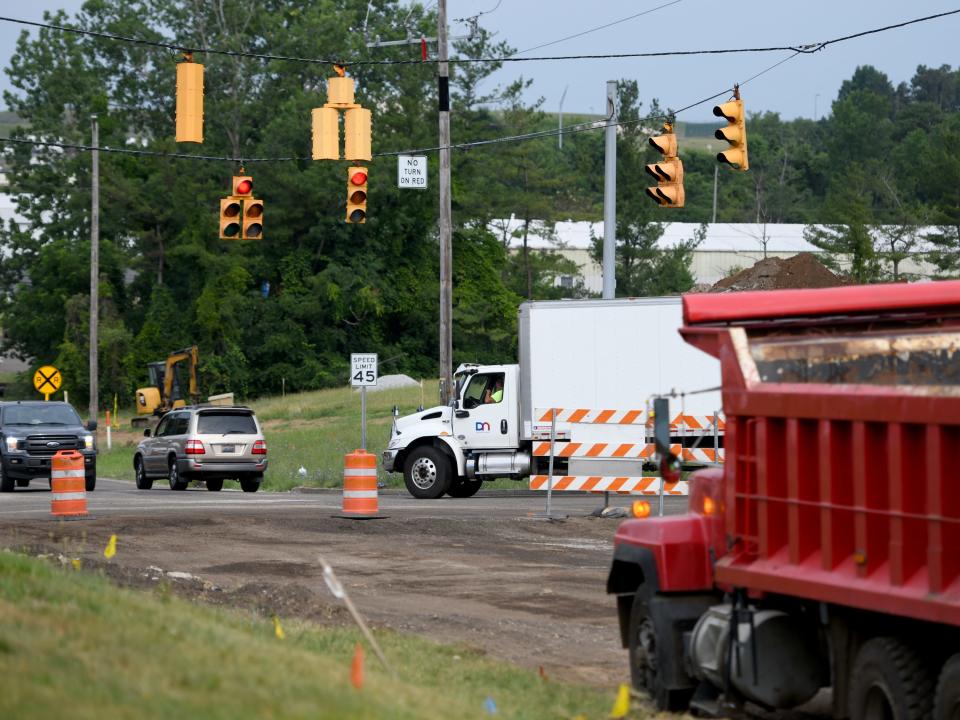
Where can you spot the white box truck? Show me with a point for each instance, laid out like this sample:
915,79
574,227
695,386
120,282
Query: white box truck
581,355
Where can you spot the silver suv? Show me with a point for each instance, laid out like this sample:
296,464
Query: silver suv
212,444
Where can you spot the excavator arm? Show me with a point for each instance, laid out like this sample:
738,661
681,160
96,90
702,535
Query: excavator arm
190,355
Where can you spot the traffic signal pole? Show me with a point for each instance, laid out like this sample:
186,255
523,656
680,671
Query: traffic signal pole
94,266
610,195
446,247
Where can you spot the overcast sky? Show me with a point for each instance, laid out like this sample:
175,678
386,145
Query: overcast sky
798,88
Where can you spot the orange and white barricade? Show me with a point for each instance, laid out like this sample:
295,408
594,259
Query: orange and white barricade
608,484
68,485
360,499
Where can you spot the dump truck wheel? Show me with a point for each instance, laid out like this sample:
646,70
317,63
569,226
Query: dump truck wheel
647,650
889,681
946,703
426,473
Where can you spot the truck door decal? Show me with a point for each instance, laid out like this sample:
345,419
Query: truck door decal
481,426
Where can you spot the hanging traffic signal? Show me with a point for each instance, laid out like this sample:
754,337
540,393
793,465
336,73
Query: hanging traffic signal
229,218
189,101
242,186
734,133
252,219
356,134
356,195
326,133
668,172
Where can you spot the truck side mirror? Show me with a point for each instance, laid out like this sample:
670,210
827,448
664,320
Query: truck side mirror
146,433
91,425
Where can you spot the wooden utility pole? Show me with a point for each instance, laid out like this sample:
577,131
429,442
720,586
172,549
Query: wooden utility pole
94,267
446,246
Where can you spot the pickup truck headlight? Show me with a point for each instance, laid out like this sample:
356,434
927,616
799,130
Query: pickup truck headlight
88,442
12,443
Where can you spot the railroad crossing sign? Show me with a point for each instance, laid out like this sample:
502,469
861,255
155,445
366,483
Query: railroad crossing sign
47,380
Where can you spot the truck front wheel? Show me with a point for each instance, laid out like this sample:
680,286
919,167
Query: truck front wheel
649,659
426,473
889,680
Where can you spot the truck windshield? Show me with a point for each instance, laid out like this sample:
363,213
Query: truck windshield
40,415
222,423
901,358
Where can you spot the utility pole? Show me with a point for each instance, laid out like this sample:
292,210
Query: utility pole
446,247
716,173
610,195
94,267
560,120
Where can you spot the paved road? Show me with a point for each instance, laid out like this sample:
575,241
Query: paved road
119,497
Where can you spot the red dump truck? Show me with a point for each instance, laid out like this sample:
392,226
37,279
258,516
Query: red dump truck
826,552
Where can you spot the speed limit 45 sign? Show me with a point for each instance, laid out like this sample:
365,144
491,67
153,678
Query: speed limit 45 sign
363,369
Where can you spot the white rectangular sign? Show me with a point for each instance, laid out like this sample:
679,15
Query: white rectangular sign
412,171
363,369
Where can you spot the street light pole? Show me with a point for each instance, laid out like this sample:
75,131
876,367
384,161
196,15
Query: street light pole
446,246
94,268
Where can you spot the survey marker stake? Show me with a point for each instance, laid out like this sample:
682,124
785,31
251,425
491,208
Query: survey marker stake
340,593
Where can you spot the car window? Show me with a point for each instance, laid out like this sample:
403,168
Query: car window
178,426
51,414
222,423
162,427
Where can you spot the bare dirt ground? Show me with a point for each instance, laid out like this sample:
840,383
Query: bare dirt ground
523,590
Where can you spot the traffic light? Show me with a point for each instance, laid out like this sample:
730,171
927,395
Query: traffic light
189,101
229,218
668,172
326,133
252,219
356,134
734,133
356,195
242,186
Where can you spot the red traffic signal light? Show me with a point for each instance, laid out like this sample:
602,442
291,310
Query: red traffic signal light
357,195
229,219
242,186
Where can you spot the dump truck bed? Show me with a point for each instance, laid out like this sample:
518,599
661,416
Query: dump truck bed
843,431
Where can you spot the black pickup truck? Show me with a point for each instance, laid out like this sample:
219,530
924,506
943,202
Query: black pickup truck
32,432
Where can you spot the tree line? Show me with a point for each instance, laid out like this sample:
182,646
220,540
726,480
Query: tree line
290,308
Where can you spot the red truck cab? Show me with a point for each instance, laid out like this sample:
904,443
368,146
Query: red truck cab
826,552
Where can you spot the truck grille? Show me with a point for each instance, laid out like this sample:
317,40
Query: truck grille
40,444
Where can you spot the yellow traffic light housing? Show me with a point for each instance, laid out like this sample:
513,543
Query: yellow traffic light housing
326,133
252,219
734,133
668,172
356,134
189,101
242,186
230,219
357,195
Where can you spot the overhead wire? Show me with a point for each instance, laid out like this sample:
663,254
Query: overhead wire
179,47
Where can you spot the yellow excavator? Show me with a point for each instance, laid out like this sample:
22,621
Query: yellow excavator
166,390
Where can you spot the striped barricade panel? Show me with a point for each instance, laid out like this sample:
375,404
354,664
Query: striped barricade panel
597,417
601,483
632,451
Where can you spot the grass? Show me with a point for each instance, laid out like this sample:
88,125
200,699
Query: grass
312,430
73,644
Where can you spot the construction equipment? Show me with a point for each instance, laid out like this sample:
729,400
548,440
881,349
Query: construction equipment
166,390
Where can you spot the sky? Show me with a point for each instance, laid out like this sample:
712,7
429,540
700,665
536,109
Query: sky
804,86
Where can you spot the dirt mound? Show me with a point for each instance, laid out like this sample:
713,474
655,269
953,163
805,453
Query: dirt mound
800,271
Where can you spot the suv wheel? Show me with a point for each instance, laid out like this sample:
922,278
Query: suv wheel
91,483
140,473
251,484
176,483
6,483
215,485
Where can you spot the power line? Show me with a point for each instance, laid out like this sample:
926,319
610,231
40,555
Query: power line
599,27
807,48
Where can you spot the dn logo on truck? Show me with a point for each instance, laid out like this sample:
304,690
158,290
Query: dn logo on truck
482,426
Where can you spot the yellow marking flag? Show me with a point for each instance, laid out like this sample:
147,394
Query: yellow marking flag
111,549
76,563
277,630
622,705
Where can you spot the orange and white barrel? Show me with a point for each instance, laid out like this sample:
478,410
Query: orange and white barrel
360,484
67,483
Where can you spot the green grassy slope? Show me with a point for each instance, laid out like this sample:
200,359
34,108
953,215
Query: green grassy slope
74,645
